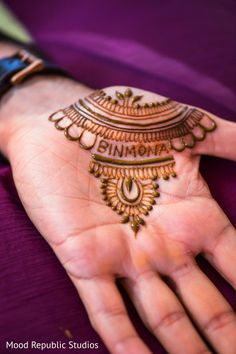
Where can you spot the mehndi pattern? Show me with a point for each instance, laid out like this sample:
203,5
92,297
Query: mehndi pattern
131,143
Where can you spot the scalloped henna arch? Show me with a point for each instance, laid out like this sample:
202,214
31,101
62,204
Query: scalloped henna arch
131,143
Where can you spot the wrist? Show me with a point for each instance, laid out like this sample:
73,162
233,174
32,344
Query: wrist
39,95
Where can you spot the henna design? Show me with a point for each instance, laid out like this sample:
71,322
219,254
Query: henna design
131,143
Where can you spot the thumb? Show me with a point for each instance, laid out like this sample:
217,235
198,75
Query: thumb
221,142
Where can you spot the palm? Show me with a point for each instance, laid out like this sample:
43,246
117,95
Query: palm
61,190
64,203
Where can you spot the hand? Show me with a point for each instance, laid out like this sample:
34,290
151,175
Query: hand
64,203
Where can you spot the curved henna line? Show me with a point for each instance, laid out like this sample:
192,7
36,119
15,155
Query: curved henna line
105,120
67,134
119,162
58,126
125,135
130,200
190,145
200,138
171,107
209,129
86,147
178,149
166,132
50,118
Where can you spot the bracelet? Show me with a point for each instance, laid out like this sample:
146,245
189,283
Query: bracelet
23,64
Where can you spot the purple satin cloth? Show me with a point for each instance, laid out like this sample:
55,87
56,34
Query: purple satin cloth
181,49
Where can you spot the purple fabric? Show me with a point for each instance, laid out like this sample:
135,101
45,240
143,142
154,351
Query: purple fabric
182,49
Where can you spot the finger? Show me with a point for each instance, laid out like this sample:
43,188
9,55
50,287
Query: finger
108,315
214,316
163,314
221,142
221,253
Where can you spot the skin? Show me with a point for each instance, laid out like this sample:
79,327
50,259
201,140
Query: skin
65,205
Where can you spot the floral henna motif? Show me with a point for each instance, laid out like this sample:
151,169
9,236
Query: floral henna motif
130,143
